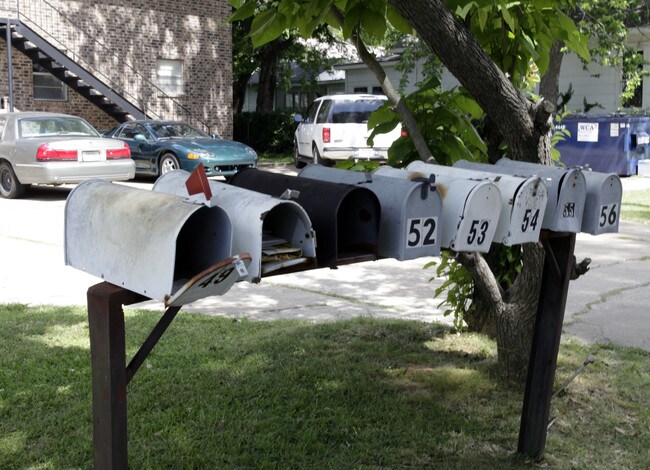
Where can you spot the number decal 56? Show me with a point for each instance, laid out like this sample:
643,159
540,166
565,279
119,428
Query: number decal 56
421,232
608,215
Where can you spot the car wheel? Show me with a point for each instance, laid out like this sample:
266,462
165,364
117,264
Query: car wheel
296,157
10,187
168,162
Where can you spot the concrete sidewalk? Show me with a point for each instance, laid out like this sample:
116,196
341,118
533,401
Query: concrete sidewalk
609,303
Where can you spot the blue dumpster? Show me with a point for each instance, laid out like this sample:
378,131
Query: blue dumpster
609,144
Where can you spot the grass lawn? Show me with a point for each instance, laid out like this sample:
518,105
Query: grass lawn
218,393
636,206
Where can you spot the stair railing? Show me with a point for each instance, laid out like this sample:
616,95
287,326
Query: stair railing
46,20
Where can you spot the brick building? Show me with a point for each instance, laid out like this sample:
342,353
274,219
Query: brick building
120,60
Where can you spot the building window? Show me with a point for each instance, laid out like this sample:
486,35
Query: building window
169,74
361,89
377,90
47,86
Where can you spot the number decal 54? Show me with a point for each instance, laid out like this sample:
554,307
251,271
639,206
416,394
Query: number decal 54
421,232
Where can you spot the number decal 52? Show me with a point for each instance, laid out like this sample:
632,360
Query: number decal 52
421,232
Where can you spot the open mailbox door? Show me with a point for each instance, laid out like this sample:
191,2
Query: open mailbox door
410,210
153,244
276,232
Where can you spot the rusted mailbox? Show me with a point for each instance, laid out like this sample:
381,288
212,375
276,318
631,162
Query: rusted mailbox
277,233
470,209
345,217
153,244
523,201
567,189
410,210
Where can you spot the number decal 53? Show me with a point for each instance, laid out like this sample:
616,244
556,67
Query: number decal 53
421,232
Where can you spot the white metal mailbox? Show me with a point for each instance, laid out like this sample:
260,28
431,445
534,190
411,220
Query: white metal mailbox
603,195
276,232
470,209
523,201
410,211
153,244
603,202
567,189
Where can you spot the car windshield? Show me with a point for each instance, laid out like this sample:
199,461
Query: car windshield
354,111
172,129
49,126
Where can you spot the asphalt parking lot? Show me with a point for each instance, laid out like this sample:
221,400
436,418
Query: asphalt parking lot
607,304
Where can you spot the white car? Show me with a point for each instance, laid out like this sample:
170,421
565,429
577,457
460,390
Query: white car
336,128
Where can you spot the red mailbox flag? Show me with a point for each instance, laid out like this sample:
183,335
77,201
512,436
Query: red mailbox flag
198,183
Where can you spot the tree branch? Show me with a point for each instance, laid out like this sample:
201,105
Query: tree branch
459,51
399,105
484,279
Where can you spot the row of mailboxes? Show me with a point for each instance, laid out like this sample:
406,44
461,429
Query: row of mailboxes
345,217
523,201
167,246
409,212
578,200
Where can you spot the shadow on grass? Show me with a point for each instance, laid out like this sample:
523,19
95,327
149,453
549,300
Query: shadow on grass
217,393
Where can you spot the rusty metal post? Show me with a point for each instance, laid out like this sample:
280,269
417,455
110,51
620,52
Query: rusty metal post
546,341
108,357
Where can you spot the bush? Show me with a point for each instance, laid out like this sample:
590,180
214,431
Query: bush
266,131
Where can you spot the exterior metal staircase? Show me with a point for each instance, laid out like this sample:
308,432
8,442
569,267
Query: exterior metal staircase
43,53
53,39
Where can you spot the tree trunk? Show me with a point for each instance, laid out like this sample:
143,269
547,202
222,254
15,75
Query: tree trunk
549,85
268,79
525,128
270,59
239,86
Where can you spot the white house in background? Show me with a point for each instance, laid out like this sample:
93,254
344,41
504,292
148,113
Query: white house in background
330,82
595,84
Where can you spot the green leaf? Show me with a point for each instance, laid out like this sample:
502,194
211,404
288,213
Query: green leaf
243,11
374,23
398,22
382,114
267,26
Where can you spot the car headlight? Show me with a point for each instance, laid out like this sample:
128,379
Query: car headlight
198,154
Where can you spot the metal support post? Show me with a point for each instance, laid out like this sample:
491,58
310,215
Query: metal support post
108,356
10,68
546,341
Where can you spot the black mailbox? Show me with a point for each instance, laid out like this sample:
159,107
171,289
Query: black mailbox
345,218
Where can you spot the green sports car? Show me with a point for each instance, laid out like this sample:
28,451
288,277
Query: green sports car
161,146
